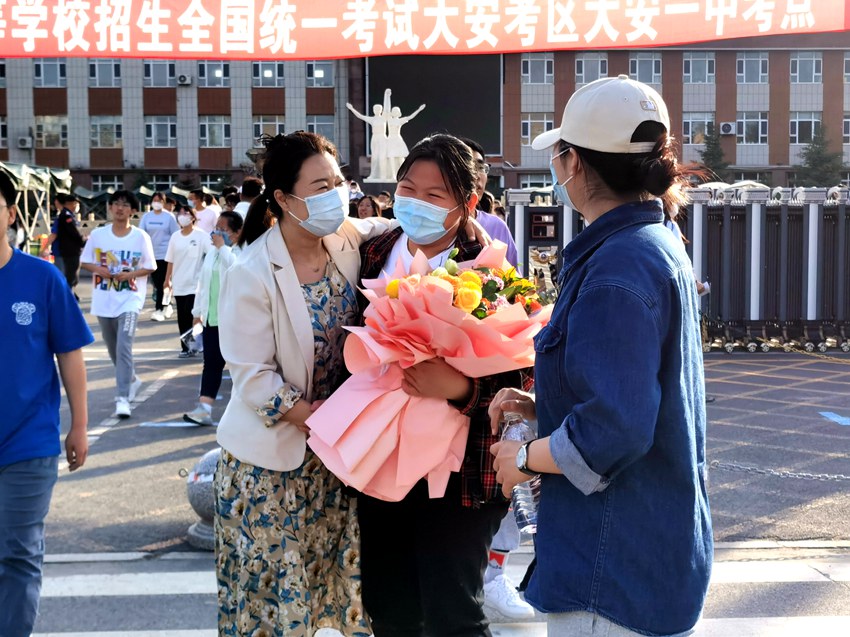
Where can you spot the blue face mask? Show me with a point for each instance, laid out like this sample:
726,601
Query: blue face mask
560,189
325,212
224,237
421,221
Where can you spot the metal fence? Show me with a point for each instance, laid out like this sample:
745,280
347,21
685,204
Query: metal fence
778,261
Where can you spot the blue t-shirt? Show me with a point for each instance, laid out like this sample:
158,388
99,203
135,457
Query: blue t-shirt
38,319
160,226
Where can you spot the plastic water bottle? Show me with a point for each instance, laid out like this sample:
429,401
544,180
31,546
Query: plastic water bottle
526,495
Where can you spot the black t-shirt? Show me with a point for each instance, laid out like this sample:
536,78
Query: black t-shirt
68,231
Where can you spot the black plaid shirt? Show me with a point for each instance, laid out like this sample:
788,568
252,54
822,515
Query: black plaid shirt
478,477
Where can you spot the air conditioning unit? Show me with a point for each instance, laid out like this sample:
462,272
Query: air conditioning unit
184,80
727,128
25,142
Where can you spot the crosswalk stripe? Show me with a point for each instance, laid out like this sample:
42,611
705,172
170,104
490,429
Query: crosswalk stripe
202,582
137,633
130,584
727,627
773,627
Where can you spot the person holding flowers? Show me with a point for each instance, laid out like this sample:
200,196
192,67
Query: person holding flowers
423,558
624,538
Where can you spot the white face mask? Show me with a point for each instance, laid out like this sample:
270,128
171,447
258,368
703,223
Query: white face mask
184,220
156,205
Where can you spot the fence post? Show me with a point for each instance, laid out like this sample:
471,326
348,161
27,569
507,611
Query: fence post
758,199
814,198
699,200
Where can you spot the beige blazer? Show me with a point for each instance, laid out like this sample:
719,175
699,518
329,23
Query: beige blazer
266,336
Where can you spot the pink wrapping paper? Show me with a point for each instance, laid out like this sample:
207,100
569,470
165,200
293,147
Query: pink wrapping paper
372,435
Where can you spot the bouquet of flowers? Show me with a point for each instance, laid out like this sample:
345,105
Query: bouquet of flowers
480,317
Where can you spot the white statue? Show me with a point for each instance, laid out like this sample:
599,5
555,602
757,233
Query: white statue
388,151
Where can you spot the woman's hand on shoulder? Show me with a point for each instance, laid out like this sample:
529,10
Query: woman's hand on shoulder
435,378
511,400
476,232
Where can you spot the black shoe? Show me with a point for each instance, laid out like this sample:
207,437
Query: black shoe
709,399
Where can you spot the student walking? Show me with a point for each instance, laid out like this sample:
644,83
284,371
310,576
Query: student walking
160,224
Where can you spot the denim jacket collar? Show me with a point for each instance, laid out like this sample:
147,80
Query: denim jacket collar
636,212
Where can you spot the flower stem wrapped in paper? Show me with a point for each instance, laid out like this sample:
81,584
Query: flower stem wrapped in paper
480,317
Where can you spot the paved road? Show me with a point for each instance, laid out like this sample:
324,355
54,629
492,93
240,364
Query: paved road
119,563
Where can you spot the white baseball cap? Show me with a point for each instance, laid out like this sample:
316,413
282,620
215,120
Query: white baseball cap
604,114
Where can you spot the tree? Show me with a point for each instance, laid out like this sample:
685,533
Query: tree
712,155
821,166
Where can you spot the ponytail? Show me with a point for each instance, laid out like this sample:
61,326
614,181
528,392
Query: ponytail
260,217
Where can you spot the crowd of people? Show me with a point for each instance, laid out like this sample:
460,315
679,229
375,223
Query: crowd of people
270,276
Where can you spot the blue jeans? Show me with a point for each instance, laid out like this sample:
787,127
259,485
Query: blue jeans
25,490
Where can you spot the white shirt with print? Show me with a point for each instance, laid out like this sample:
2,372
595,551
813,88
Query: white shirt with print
134,251
187,252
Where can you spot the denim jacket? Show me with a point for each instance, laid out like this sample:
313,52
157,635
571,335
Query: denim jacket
625,532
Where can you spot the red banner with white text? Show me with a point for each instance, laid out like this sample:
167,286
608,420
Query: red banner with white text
316,29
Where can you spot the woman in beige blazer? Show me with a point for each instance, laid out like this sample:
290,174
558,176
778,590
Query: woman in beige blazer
287,540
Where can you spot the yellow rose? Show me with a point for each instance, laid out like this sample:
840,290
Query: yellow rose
471,277
392,289
455,281
468,298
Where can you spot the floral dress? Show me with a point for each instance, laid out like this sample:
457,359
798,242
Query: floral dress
288,543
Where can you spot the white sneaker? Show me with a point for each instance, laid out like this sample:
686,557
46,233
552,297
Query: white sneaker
501,599
122,408
199,416
135,386
168,311
157,316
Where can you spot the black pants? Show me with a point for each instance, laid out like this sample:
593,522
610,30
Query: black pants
423,563
71,267
184,315
213,363
158,280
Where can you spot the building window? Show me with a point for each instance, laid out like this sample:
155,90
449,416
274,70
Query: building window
532,124
49,72
752,127
104,72
846,69
214,131
267,125
803,126
322,125
591,67
160,73
645,67
537,68
51,131
2,73
845,178
320,74
4,132
760,177
213,74
535,180
806,67
161,131
752,67
106,132
268,74
100,183
213,182
845,138
161,183
695,127
698,67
